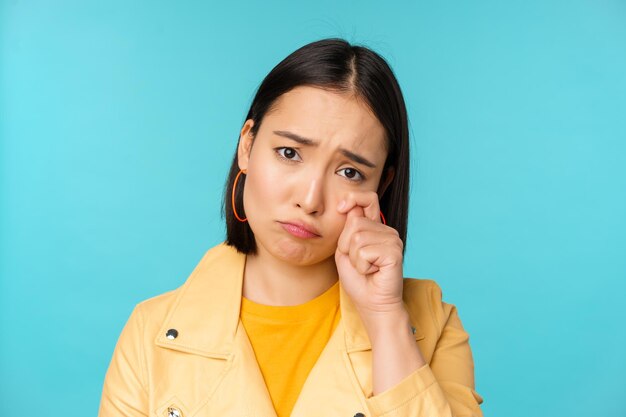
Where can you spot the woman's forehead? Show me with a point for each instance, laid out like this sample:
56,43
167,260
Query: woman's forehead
328,118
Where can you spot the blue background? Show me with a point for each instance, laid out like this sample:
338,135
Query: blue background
118,120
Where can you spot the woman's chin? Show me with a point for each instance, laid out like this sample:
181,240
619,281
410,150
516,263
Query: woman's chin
297,251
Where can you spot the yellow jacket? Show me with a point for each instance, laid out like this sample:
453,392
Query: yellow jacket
185,353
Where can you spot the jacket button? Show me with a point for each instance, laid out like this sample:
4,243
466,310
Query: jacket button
359,415
174,412
171,334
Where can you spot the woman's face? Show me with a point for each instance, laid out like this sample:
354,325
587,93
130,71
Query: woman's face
312,149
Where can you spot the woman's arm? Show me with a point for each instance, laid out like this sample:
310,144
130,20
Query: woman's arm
444,387
369,261
395,355
124,393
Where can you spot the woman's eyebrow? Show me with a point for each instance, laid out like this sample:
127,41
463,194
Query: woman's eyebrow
297,138
310,142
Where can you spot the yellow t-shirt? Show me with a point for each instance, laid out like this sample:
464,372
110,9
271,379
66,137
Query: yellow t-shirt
287,340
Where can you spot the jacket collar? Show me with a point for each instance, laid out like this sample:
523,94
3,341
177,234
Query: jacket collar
206,309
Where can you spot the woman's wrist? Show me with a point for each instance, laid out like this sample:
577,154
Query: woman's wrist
394,324
383,320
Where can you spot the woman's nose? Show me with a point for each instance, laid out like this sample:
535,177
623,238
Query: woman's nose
311,196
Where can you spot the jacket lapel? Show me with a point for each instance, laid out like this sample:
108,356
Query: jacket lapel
206,310
341,379
205,314
331,388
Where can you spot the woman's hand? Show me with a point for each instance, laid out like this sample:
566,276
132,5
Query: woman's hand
369,261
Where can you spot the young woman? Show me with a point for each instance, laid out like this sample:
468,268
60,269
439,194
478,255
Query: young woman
303,310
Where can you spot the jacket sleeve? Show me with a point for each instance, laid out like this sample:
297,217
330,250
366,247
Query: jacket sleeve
125,391
442,388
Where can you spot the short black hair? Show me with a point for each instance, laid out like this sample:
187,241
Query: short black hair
336,65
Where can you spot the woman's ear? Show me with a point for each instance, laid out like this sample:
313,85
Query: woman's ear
245,145
385,180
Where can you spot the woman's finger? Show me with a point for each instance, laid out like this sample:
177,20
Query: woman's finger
356,222
371,258
368,200
367,237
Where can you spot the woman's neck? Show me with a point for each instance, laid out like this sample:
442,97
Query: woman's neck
270,281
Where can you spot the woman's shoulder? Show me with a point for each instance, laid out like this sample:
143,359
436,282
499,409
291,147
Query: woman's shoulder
159,302
423,299
153,311
420,290
158,306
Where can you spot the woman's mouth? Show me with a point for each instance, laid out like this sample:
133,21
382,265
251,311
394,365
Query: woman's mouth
299,230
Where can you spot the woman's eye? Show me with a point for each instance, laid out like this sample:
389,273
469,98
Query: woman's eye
288,153
351,174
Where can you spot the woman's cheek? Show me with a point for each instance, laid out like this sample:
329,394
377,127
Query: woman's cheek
277,175
260,188
266,179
